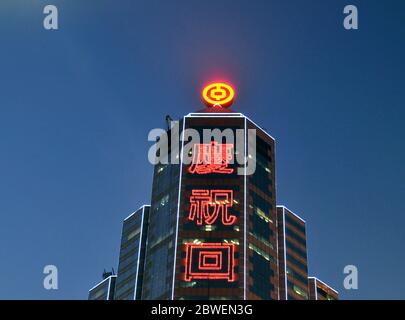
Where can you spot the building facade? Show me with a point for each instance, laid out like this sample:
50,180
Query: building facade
158,275
104,290
225,244
132,255
213,230
292,255
319,290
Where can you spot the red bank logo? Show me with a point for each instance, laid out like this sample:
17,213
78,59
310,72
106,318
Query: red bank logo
218,94
210,261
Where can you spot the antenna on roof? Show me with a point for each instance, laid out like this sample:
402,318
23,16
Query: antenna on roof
107,274
168,122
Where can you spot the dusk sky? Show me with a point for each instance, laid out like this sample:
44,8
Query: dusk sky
77,104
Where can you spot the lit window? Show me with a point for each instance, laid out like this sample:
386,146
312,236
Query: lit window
299,291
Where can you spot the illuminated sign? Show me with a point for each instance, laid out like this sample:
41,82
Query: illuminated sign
218,94
207,205
211,158
211,261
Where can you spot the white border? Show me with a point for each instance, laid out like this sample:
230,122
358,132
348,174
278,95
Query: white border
139,252
98,284
109,287
245,211
102,281
178,206
214,114
141,207
325,284
294,214
277,258
219,115
228,115
285,256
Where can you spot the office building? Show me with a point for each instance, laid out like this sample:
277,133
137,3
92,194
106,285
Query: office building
319,290
104,290
292,255
132,255
213,230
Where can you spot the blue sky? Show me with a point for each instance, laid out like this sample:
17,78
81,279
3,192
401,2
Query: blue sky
76,106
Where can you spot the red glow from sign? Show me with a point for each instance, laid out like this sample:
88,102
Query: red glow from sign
222,267
211,157
218,94
203,264
206,206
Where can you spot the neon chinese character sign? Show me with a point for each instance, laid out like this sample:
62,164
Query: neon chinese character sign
218,94
215,261
207,205
211,157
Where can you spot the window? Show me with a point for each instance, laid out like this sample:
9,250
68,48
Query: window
291,221
297,250
297,263
292,274
298,290
261,275
134,233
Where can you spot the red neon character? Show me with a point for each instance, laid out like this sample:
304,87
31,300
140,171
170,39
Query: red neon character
206,206
211,157
210,261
